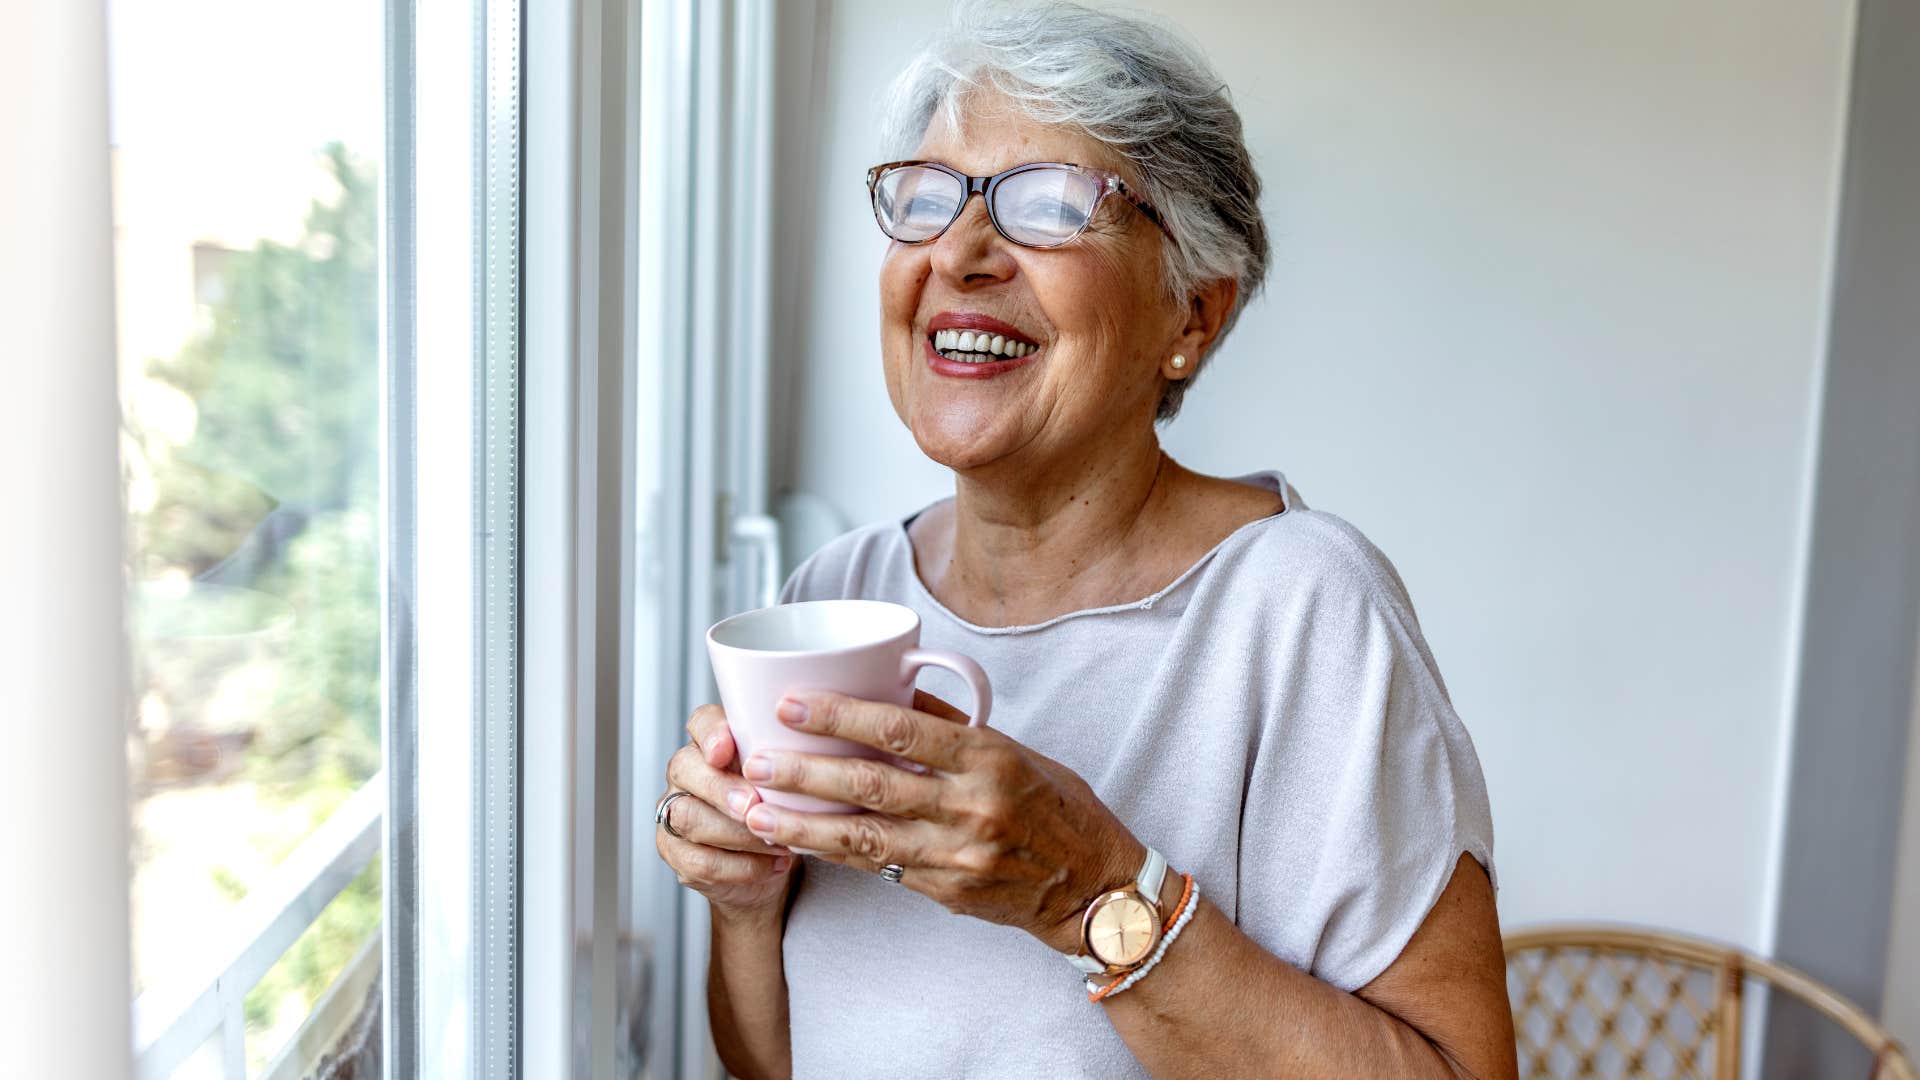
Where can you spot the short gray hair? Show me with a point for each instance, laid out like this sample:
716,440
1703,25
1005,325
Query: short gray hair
1136,84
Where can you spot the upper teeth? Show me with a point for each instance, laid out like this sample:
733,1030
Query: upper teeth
972,341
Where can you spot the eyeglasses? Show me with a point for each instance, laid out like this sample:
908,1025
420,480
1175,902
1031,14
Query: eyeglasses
1040,205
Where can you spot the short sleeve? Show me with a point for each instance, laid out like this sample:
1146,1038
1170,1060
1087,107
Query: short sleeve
804,582
835,570
821,576
790,591
1364,789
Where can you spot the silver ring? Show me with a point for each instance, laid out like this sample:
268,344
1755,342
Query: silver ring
892,872
660,813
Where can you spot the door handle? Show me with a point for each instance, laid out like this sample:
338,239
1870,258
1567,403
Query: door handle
762,533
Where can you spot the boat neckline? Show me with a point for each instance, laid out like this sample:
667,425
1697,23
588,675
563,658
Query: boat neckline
1277,485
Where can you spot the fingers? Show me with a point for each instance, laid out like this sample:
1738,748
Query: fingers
875,837
713,849
916,736
936,882
708,727
699,823
697,864
875,785
720,797
688,771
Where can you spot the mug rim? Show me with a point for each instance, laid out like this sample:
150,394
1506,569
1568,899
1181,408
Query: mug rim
741,616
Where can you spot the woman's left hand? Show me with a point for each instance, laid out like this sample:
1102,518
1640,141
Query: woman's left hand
993,830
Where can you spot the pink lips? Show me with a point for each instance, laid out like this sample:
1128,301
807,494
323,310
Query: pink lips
967,320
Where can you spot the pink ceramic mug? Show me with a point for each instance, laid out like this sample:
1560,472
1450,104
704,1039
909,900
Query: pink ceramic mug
868,649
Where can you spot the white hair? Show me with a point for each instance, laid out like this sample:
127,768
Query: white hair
1138,85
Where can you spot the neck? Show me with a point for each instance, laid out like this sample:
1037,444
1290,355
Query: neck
1031,542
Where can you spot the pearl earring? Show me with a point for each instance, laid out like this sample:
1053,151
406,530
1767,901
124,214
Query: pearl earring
1179,361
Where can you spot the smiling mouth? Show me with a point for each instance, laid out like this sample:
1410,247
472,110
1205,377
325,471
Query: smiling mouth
978,346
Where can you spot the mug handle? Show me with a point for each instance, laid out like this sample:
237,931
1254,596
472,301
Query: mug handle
914,659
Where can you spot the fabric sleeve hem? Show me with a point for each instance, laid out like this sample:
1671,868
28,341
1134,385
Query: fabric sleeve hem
1375,960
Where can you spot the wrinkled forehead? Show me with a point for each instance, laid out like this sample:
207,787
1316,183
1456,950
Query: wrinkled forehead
995,133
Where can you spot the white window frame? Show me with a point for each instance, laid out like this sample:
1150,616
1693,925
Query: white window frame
463,1013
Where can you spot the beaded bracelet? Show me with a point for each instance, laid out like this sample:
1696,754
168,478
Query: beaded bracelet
1189,903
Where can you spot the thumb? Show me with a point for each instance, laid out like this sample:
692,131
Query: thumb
718,750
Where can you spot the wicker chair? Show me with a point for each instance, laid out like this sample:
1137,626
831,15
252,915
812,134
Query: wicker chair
1592,1001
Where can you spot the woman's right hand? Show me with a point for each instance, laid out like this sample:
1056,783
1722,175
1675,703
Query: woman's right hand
735,870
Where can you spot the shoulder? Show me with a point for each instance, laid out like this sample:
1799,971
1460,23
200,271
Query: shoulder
1319,558
1316,596
849,565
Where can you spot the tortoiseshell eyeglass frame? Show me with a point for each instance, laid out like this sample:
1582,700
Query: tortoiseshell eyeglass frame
984,186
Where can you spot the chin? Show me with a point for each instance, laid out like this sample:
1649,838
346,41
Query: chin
954,442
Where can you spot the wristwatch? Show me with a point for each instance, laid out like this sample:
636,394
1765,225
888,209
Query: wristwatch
1121,928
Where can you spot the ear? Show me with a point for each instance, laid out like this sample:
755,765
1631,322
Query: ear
1207,312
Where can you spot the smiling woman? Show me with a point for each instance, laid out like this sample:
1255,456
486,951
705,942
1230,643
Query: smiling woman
1224,780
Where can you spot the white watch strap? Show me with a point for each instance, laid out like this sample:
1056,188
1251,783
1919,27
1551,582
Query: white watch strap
1153,873
1085,963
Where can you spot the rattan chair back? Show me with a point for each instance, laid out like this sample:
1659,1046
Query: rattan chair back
1612,1002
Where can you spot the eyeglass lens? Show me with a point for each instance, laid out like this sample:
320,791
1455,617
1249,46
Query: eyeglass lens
1038,208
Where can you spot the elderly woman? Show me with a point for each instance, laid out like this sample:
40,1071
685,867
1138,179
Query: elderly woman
1226,822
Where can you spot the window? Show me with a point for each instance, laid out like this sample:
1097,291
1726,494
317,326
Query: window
249,355
319,882
425,521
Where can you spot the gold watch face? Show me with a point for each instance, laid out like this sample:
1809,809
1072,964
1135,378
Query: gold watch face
1122,931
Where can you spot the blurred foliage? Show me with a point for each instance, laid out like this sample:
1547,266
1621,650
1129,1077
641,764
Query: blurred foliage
285,381
276,491
325,724
278,487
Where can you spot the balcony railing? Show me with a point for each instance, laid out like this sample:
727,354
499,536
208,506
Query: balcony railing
172,1021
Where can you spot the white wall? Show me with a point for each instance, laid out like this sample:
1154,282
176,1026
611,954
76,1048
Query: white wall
63,777
1545,321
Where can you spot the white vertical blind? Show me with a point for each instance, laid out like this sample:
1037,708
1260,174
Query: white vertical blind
62,662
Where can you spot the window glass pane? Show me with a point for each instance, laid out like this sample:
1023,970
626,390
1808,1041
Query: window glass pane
246,138
317,1000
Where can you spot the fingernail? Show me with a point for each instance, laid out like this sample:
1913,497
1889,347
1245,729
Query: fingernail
781,863
792,712
758,768
706,746
762,819
738,800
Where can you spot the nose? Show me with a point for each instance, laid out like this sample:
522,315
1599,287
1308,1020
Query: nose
971,252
